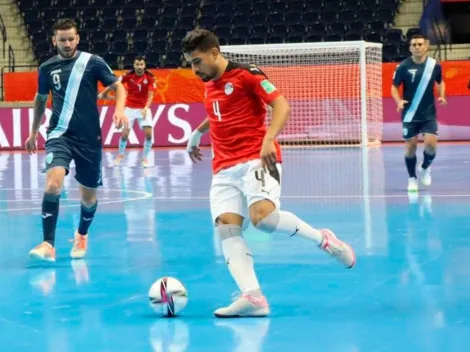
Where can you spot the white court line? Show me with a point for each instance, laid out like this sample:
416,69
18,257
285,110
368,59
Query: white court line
40,200
359,196
143,195
14,323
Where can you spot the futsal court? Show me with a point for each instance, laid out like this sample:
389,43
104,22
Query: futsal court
410,290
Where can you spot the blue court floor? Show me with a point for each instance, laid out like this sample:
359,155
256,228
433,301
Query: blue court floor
409,292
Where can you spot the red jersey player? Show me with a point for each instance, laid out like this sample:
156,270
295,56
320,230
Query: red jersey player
140,85
246,165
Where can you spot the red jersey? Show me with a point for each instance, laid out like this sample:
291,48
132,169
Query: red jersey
236,108
138,88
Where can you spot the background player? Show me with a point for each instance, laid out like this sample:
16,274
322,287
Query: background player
418,74
246,165
140,87
74,131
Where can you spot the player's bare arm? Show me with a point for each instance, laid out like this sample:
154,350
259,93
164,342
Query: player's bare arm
39,108
193,142
120,120
280,115
147,104
398,100
105,94
203,126
441,91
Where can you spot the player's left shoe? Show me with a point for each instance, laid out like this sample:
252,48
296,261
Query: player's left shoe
80,245
338,249
245,306
145,163
425,175
43,251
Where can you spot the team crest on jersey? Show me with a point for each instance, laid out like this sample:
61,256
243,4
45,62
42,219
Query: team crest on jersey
49,157
229,88
145,81
80,67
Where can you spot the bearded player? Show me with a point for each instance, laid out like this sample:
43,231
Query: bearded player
140,84
74,132
246,166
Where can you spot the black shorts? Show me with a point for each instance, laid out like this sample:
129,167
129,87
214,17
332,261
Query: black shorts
412,129
61,151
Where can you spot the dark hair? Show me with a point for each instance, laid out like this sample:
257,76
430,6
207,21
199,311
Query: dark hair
64,24
140,58
418,36
199,39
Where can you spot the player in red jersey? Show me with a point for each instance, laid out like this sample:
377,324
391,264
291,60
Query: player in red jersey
140,84
246,181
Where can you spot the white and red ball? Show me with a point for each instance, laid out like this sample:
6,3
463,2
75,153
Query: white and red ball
168,296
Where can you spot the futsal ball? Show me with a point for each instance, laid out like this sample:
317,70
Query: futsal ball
168,296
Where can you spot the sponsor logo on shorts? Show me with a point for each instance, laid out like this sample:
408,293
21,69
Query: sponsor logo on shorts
405,131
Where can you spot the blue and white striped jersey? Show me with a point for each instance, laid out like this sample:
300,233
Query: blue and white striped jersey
74,87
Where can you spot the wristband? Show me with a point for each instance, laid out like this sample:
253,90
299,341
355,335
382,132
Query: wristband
194,140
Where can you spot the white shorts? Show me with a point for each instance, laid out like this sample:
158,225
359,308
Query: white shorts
133,114
235,189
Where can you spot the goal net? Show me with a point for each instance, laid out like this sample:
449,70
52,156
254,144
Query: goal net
335,94
334,89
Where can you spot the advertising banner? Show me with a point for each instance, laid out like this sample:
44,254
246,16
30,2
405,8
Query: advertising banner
173,123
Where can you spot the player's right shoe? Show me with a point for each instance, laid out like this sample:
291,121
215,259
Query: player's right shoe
412,184
43,251
338,249
245,306
118,160
145,163
425,175
80,244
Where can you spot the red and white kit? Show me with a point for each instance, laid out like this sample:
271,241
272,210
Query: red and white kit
138,88
236,106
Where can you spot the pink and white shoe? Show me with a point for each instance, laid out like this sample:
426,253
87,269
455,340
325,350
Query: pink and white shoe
245,306
338,249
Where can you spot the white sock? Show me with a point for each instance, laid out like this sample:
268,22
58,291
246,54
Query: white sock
238,258
288,223
147,147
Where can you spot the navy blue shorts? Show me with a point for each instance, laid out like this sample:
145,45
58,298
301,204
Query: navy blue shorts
61,151
412,129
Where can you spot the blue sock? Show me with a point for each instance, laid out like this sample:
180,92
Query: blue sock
87,215
122,146
427,159
50,213
410,162
147,147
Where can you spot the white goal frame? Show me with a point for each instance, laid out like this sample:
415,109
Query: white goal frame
360,45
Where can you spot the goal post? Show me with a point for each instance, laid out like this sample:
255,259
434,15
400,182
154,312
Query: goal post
334,89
